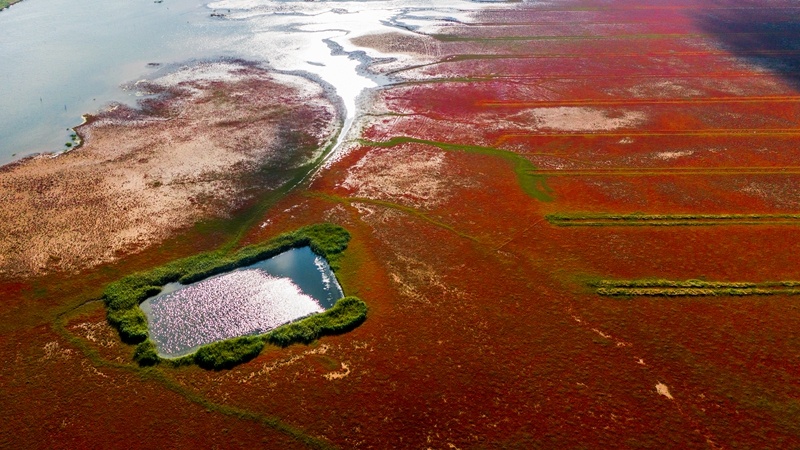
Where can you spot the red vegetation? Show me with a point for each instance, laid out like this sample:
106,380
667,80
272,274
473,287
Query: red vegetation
482,332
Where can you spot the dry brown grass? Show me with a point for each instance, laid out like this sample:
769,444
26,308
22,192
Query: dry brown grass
144,174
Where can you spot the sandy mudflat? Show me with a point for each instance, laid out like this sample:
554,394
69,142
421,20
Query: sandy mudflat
146,173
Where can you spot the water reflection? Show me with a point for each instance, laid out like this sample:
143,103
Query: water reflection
68,57
250,300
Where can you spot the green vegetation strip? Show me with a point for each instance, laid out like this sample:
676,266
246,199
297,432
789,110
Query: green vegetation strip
123,297
6,3
692,288
530,182
639,220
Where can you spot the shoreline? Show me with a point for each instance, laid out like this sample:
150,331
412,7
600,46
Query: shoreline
78,143
212,141
6,4
165,69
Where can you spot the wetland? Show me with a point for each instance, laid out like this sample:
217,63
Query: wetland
573,224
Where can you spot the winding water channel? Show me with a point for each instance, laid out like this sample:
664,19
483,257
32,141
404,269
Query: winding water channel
65,58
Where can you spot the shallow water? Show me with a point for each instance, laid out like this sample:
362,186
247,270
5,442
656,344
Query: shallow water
249,300
64,58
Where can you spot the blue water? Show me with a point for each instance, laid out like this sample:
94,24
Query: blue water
64,58
249,300
310,272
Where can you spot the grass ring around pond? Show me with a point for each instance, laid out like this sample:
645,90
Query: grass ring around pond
123,299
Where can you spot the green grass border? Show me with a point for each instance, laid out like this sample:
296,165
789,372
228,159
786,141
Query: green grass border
638,219
658,287
122,299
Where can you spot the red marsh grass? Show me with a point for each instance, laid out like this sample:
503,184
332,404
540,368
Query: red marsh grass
482,332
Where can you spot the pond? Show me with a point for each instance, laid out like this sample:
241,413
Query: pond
249,300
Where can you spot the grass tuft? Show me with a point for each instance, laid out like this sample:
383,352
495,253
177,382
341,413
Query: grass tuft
229,353
146,354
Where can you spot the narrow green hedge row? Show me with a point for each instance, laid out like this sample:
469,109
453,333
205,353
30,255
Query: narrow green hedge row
346,314
660,282
638,219
692,292
123,297
656,287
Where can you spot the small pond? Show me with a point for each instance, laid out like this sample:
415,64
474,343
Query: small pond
249,300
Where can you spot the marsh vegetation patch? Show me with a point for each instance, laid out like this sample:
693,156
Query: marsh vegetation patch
213,136
656,287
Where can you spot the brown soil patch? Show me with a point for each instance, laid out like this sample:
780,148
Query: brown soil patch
393,43
566,118
421,181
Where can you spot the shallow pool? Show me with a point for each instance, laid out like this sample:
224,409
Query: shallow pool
249,300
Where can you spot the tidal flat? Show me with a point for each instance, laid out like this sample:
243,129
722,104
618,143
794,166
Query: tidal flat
488,325
208,140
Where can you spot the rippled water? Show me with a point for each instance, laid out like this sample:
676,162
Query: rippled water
64,58
249,300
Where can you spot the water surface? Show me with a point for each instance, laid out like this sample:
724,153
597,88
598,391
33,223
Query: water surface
64,58
249,300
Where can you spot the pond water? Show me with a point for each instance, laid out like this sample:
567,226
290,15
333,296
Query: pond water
64,58
250,300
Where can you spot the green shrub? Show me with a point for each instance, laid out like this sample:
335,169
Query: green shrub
146,354
346,314
131,323
124,296
226,354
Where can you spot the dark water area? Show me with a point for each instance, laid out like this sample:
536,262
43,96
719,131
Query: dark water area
309,271
768,37
249,300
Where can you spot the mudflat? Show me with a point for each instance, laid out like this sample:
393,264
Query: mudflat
204,142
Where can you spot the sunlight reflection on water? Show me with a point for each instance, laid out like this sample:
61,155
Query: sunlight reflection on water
69,57
251,300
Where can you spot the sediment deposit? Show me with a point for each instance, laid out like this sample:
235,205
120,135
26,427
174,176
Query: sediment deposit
205,141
